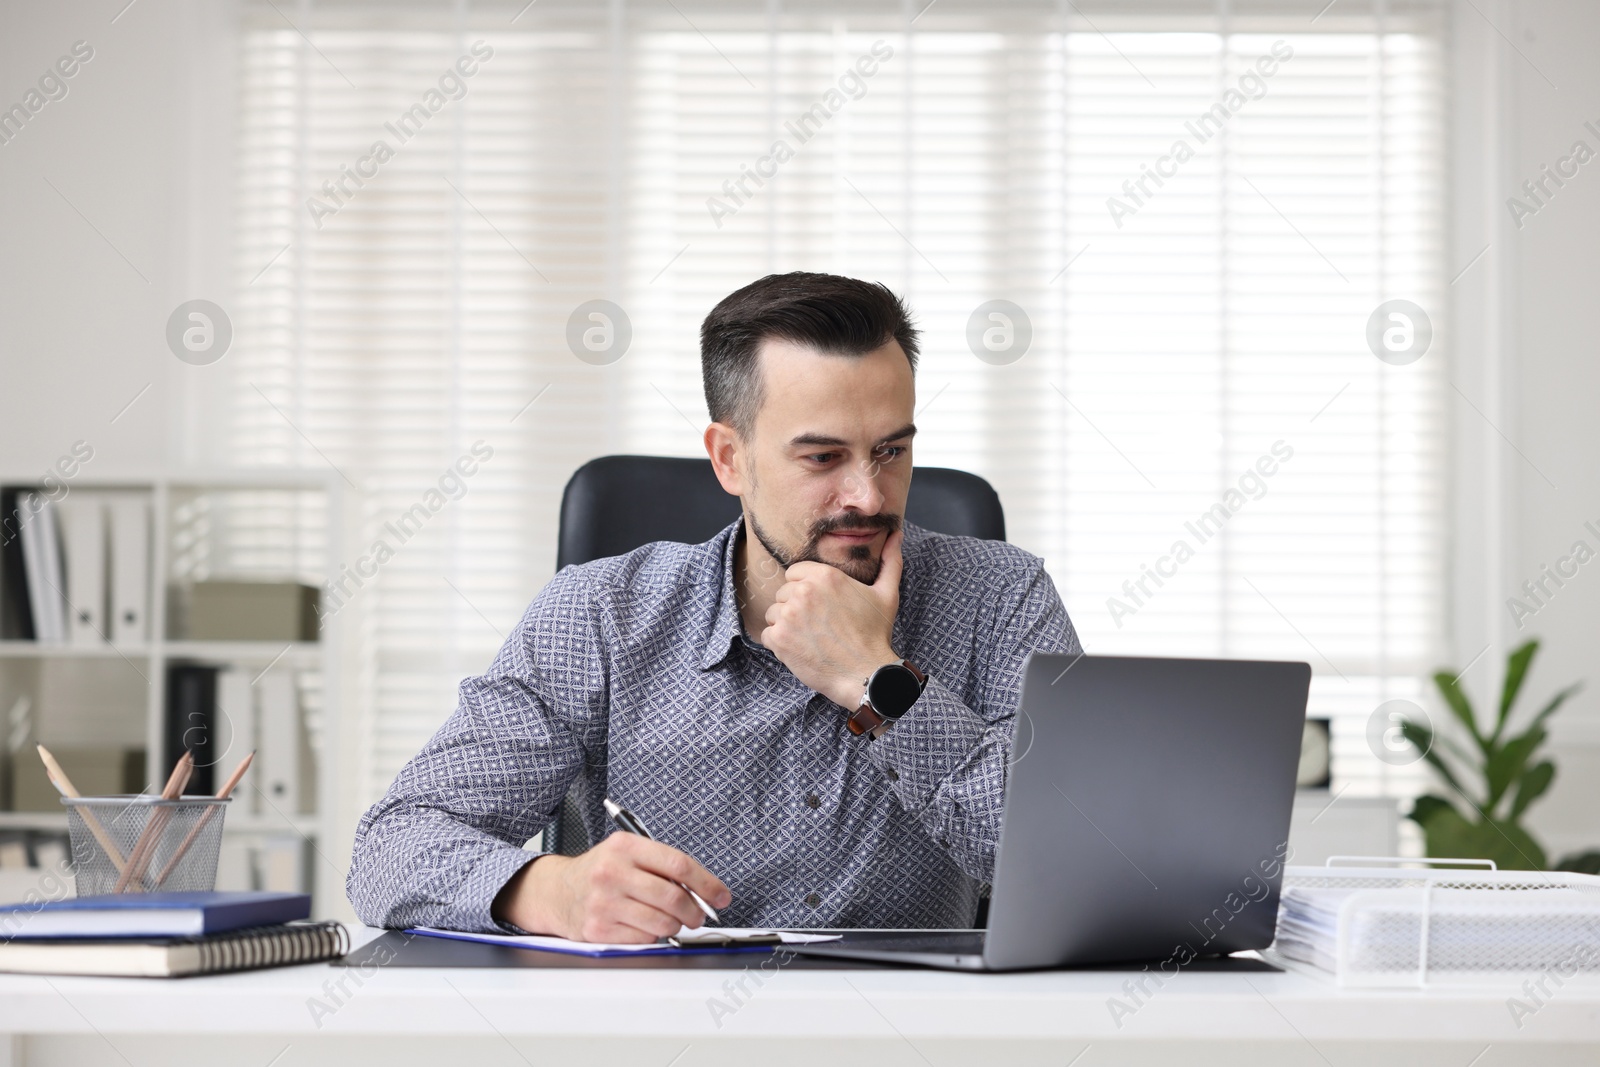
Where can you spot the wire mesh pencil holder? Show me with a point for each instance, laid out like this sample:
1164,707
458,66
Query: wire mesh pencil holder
144,844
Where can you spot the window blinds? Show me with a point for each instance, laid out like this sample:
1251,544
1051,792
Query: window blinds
1195,319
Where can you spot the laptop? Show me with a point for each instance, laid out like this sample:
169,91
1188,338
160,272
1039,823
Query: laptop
1146,818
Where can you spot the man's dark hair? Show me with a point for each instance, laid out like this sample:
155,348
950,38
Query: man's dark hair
839,316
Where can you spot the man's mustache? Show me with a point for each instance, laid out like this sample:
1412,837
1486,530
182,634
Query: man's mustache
853,521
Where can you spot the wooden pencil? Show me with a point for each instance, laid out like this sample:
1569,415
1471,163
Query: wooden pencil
222,794
64,786
145,846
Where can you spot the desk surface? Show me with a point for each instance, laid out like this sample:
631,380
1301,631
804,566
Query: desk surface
796,1002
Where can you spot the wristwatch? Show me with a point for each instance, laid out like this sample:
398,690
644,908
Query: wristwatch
889,694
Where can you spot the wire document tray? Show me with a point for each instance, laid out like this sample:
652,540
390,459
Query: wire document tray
1387,927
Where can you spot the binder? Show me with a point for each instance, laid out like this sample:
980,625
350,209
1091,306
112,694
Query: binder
41,556
236,727
16,614
280,757
83,522
191,723
130,570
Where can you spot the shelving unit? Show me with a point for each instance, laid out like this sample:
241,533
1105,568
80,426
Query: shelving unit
194,535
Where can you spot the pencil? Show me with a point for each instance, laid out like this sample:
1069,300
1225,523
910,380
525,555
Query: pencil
64,786
145,846
176,784
222,794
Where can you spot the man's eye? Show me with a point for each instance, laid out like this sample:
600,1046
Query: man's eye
822,457
891,452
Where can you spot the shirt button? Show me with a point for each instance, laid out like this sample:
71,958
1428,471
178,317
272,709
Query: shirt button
894,775
813,900
813,801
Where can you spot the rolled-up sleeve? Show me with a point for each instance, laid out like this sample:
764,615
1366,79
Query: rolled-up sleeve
448,835
946,758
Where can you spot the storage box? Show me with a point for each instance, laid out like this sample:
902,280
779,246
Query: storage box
252,611
93,771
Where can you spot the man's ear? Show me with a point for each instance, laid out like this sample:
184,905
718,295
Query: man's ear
724,447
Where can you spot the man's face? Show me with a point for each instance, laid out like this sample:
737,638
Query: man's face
827,464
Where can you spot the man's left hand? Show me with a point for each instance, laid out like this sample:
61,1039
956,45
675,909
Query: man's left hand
831,630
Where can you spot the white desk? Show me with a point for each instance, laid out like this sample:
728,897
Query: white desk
402,1016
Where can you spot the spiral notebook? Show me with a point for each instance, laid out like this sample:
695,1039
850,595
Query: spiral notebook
237,950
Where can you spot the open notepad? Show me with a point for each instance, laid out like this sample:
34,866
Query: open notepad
699,939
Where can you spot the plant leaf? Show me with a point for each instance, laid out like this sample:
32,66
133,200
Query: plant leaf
1460,705
1532,787
1457,751
1582,862
1505,765
1423,740
1448,834
1555,702
1517,850
1427,807
1516,670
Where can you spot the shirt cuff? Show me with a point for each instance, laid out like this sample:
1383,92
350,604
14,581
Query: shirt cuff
475,897
937,737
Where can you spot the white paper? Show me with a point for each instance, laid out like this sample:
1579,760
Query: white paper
590,948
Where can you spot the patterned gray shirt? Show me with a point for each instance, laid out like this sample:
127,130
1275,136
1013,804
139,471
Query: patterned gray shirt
632,677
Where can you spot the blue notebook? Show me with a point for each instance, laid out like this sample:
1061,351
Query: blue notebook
151,915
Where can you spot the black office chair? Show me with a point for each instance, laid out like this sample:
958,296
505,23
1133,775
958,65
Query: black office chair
615,504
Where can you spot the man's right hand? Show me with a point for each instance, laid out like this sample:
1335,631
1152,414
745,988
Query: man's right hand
622,891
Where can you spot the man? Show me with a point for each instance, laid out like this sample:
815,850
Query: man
746,697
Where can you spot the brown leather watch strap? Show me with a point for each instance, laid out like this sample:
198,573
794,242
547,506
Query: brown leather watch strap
865,719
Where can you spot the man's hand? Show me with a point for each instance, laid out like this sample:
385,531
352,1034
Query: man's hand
622,891
831,630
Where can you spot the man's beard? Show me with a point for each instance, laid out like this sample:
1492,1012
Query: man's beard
859,564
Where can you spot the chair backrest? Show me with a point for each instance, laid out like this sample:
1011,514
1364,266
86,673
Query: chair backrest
615,504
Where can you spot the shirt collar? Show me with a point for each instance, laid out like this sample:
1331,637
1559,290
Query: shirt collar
727,625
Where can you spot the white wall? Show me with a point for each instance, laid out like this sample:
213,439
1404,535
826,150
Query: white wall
1553,385
83,313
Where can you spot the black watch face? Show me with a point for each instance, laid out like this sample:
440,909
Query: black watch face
893,690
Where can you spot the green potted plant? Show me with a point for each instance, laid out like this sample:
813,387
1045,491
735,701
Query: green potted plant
1494,778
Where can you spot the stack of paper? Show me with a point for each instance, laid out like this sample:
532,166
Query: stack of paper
1308,925
1466,930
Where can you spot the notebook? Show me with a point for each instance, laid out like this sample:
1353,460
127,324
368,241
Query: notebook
237,950
151,915
700,939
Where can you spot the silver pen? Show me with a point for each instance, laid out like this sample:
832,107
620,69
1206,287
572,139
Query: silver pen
629,822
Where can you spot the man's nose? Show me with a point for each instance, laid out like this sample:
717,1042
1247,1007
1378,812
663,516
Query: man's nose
860,492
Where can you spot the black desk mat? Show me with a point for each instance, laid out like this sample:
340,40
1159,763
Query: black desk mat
394,948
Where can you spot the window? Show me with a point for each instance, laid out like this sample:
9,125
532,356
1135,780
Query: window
1196,371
